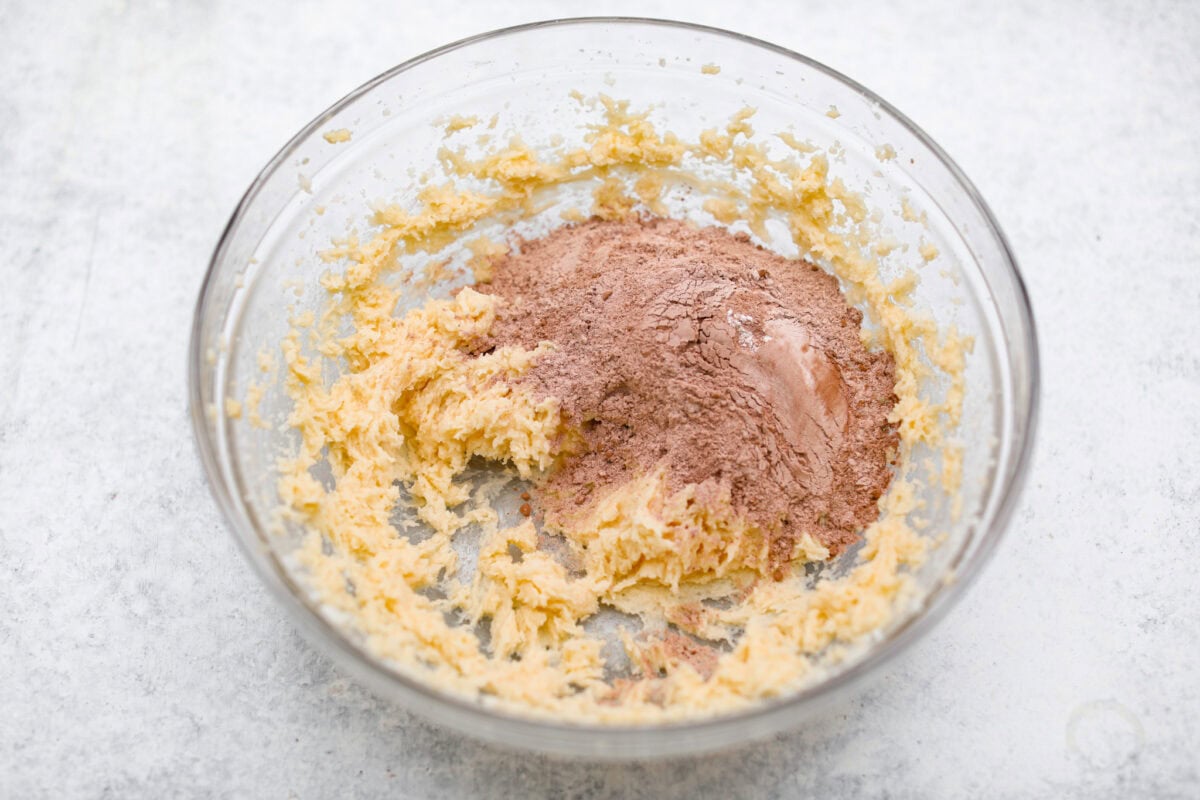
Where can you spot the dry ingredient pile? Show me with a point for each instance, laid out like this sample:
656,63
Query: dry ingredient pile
695,421
739,374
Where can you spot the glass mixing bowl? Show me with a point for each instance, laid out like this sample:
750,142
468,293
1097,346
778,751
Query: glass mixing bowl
314,189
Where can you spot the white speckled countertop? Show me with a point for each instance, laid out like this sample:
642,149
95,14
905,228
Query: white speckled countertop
140,657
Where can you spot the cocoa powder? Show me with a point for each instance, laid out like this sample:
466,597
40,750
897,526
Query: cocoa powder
731,367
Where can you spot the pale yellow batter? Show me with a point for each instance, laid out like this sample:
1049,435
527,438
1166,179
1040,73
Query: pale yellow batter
413,409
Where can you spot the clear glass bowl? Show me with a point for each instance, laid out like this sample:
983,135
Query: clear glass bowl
312,190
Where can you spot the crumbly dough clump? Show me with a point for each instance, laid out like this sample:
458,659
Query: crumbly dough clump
391,414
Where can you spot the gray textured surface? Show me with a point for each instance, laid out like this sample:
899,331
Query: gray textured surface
140,659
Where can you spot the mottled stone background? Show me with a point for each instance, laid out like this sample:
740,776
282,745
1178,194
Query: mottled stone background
140,658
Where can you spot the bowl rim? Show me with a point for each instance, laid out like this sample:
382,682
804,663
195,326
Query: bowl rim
537,732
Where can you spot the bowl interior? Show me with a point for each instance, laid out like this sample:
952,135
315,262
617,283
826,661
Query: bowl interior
527,82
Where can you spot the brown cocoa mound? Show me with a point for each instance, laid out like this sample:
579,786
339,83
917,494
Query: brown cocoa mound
693,349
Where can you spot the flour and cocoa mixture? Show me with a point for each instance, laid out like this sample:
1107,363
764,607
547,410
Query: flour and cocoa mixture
696,351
